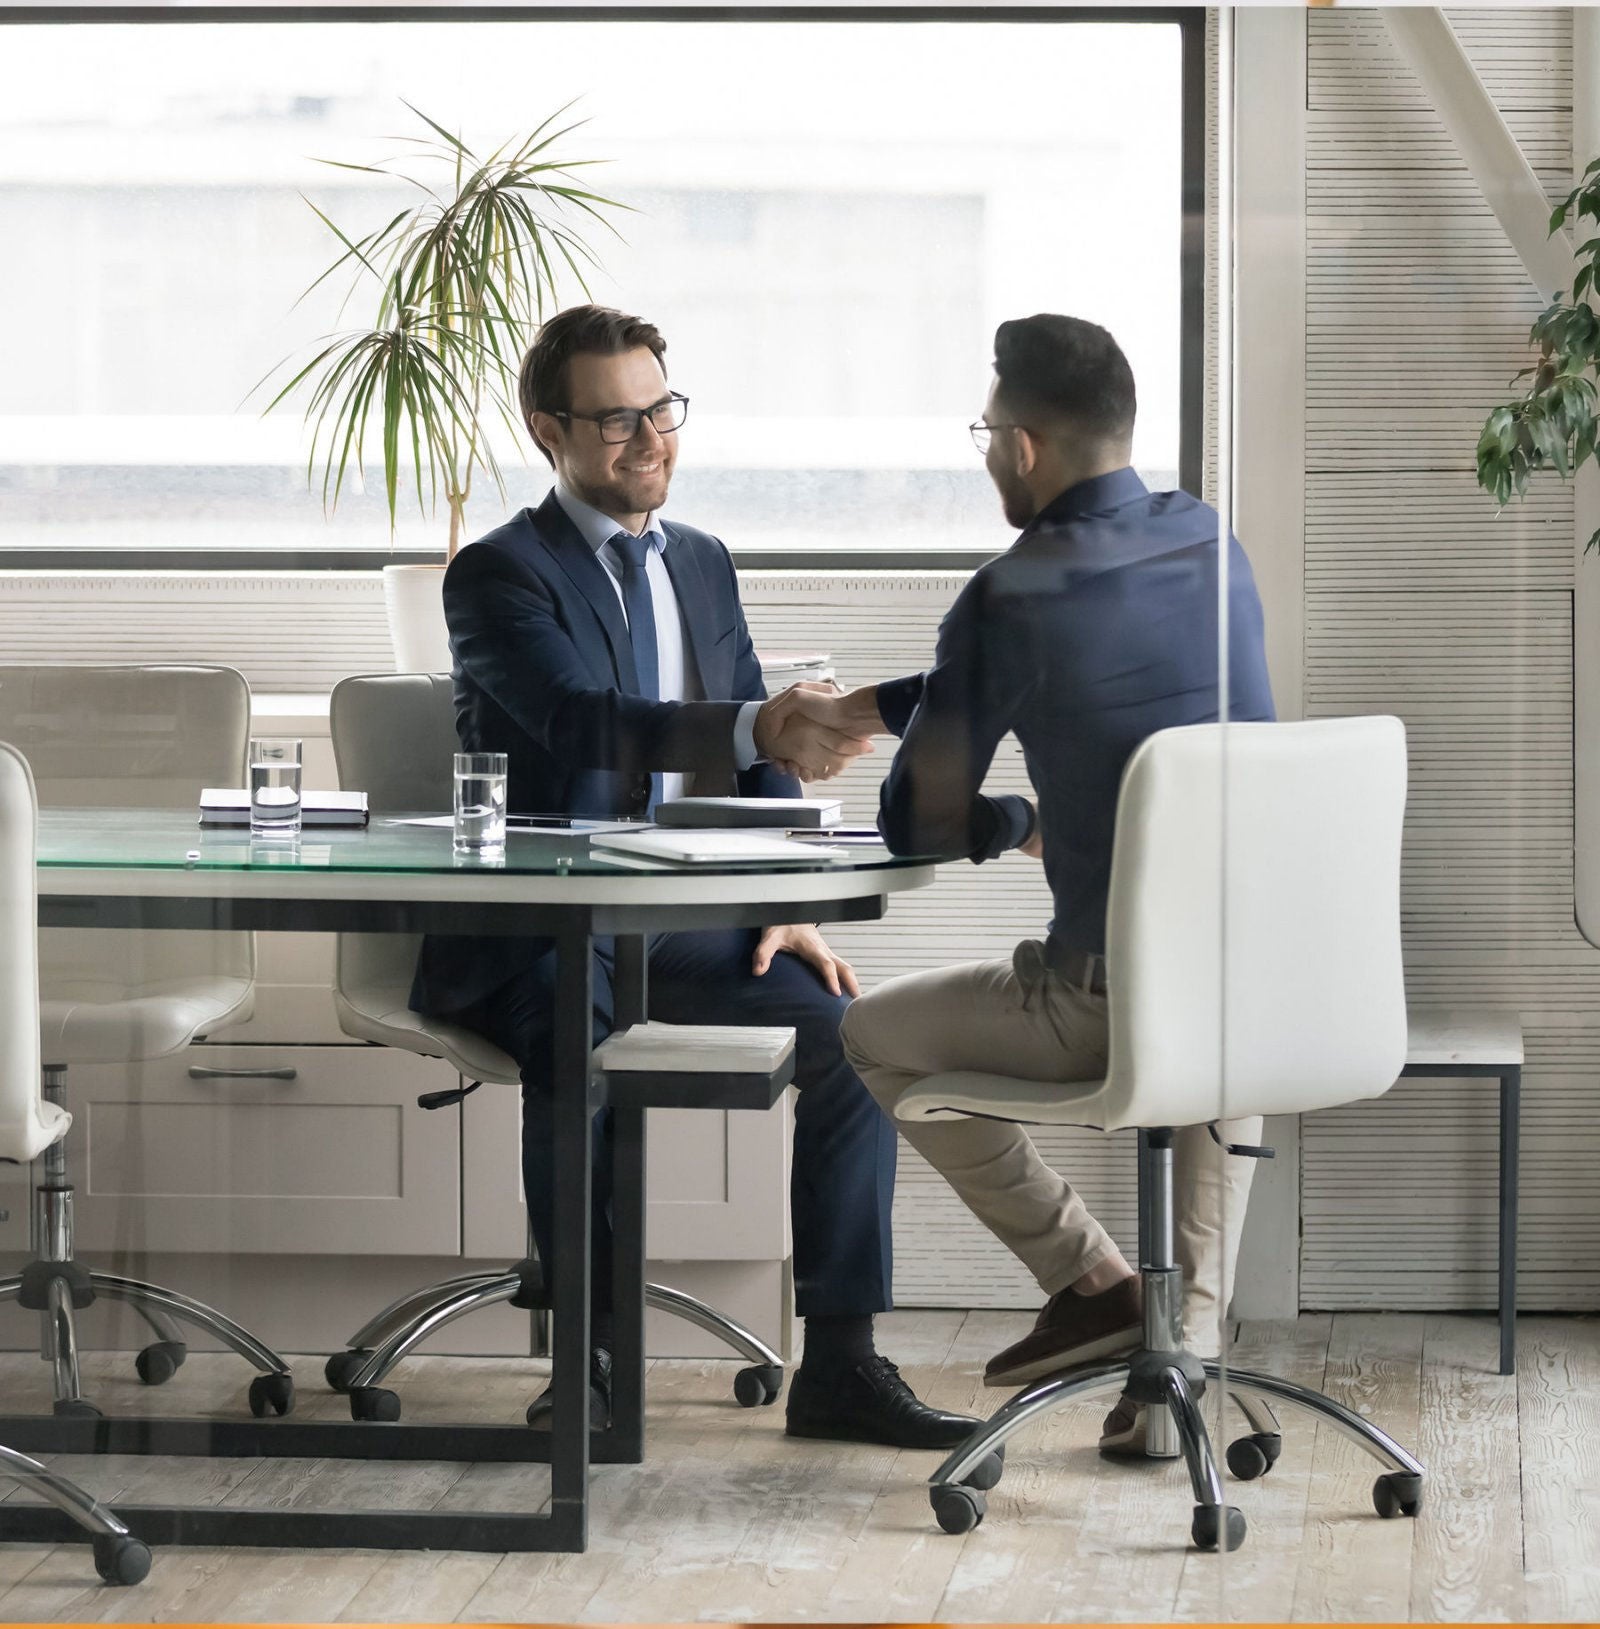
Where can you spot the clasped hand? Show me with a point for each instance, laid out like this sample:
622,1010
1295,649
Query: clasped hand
814,730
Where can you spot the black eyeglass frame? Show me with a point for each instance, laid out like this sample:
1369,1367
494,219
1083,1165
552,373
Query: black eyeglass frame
673,403
981,431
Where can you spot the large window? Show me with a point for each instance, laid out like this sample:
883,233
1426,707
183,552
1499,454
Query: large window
829,218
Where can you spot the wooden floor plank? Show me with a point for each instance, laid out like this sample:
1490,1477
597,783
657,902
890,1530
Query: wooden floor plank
1354,1566
1467,1559
1558,1381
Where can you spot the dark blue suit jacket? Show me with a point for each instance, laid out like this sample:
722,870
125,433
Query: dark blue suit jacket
544,673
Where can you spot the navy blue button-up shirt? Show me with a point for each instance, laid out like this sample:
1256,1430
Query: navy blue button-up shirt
1095,629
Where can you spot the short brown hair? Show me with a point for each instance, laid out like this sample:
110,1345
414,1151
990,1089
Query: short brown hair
594,330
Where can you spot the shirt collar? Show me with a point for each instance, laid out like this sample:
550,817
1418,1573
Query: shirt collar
1097,495
597,528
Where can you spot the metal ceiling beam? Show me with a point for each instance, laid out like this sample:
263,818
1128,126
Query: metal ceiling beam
1492,156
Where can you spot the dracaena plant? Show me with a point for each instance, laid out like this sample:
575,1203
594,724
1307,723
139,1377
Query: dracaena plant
1553,424
460,277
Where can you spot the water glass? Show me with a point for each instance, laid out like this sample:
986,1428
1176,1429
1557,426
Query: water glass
480,807
275,787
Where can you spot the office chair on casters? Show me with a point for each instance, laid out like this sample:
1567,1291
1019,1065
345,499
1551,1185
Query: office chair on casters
1271,987
30,1126
370,716
128,737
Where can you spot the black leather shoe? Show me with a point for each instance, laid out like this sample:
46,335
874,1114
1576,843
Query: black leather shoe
870,1403
599,1395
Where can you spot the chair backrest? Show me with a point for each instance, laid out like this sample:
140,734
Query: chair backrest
25,1129
1253,932
107,736
394,737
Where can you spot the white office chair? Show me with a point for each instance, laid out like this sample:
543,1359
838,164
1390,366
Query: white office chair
370,716
116,737
29,1126
1273,986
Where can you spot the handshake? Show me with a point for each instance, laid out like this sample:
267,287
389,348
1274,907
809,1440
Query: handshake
814,730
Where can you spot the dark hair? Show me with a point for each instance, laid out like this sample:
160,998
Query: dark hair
1062,368
592,330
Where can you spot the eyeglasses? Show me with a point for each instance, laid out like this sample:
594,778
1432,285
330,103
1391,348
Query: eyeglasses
619,424
981,431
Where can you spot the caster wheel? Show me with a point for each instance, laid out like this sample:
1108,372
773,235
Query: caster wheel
958,1509
76,1408
1255,1455
120,1558
160,1361
374,1403
758,1386
343,1367
1398,1493
986,1472
1207,1531
271,1394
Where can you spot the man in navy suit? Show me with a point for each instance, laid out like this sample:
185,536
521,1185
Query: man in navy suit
1097,627
605,651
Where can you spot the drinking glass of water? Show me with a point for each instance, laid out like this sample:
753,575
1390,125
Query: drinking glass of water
480,779
275,787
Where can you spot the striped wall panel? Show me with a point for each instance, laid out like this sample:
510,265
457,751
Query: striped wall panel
1422,601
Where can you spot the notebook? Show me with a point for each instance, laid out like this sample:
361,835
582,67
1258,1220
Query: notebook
695,1049
230,806
714,847
783,813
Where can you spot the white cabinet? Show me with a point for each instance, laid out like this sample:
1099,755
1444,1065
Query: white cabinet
214,1151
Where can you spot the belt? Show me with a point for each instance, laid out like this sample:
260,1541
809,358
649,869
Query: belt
1084,968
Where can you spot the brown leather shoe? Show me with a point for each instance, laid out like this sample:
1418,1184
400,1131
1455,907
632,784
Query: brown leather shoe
1072,1329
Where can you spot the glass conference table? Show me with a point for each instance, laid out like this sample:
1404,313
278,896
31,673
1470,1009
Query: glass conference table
156,869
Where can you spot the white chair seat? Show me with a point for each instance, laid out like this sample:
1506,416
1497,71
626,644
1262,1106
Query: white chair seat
966,1092
380,1013
41,1126
96,1022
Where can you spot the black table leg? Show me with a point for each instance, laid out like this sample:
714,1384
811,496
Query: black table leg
570,1271
630,990
1510,1138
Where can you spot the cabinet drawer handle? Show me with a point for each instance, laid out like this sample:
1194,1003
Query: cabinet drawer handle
198,1072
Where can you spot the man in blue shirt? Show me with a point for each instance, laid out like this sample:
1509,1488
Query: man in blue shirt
1096,628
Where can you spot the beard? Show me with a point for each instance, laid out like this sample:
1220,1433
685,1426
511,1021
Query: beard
1015,502
625,494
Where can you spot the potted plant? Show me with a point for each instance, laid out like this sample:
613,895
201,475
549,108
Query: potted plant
1553,423
461,278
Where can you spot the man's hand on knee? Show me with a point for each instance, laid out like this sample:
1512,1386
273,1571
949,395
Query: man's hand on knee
804,941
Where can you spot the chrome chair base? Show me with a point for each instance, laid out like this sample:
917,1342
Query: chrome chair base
1397,1492
57,1285
119,1557
388,1337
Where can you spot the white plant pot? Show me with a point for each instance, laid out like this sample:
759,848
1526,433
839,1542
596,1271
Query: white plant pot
413,597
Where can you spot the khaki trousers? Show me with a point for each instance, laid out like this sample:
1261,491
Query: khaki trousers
1020,1017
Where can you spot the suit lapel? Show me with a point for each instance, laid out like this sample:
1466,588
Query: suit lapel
566,546
694,606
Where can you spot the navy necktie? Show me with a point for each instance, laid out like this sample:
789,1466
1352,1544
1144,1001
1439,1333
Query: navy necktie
640,605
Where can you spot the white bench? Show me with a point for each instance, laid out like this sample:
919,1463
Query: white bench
1450,1042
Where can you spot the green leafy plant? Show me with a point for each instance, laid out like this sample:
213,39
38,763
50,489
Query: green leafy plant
1553,423
462,277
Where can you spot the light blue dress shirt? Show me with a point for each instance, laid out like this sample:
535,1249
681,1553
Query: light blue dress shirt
677,678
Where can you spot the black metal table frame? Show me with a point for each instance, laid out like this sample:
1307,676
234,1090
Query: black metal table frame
1510,1077
569,1447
